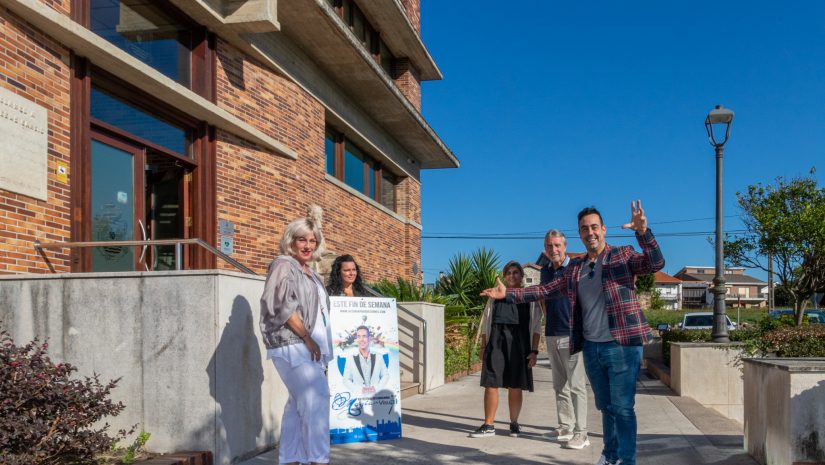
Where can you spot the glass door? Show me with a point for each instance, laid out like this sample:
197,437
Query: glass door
166,202
117,213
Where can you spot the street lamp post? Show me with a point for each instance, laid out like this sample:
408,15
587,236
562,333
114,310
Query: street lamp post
718,117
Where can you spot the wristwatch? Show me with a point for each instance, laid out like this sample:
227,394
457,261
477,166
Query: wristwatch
534,352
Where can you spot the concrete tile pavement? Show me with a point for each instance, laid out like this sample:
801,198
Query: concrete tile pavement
672,430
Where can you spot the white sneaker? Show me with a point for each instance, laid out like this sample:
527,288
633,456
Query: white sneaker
579,441
603,461
559,434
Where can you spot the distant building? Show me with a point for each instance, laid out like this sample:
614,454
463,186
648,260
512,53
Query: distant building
743,290
532,271
670,290
532,274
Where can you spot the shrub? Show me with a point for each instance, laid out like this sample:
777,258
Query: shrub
46,417
796,341
688,335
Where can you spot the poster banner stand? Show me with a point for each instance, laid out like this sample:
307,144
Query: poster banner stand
364,374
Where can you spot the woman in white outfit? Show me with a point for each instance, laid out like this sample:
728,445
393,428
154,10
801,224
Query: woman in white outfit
295,327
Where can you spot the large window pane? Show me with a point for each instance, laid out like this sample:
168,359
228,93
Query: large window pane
354,167
113,207
144,31
329,148
111,110
371,180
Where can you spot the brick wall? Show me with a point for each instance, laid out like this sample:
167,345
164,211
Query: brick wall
413,10
408,81
35,67
261,192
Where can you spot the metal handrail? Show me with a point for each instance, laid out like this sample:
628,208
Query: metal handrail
178,243
424,330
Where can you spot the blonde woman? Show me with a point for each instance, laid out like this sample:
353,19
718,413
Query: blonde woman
295,327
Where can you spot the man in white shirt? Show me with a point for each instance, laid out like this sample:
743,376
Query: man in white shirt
365,372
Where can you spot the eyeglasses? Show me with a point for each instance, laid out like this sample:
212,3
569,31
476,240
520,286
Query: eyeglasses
304,241
592,271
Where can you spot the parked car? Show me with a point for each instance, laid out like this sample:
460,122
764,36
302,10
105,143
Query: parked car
701,320
814,317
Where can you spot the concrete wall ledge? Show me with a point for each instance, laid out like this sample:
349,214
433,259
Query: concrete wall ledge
785,410
710,374
793,365
129,274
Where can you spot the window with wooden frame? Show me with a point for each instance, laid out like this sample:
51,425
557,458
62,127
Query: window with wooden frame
144,170
352,166
366,33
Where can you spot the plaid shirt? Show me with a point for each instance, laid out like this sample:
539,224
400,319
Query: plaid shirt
620,266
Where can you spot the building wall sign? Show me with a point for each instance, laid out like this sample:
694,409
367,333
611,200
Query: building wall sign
23,152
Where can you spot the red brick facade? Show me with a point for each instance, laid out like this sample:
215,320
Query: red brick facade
257,190
261,192
36,68
413,10
408,81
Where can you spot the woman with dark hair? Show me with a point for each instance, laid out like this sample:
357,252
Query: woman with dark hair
509,348
345,278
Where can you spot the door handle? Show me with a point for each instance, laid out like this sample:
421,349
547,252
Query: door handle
143,251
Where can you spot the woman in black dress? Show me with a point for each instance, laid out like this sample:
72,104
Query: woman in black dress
509,347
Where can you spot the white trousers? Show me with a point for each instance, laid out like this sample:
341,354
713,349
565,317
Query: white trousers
305,425
570,384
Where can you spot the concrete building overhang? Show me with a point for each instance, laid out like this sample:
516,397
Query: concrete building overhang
314,26
389,15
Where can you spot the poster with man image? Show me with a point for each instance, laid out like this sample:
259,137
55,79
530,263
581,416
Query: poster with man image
364,382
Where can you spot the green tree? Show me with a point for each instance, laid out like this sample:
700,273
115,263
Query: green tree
787,222
646,283
467,276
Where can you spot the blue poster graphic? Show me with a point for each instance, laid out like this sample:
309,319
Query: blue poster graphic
364,376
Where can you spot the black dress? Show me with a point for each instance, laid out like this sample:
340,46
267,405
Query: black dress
508,345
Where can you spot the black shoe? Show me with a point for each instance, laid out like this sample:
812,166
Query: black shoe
515,429
483,431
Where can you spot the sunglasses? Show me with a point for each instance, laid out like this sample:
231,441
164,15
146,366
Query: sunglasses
592,272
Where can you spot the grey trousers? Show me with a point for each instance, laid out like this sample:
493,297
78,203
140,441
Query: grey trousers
570,384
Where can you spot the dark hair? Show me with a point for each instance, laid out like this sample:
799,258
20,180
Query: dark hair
335,285
369,333
590,211
513,264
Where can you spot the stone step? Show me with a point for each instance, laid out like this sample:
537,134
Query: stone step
409,388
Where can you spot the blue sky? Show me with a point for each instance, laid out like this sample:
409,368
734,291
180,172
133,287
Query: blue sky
554,106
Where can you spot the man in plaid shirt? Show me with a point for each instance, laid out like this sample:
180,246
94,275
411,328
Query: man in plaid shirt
607,324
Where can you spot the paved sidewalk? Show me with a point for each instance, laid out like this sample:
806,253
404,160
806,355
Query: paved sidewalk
672,430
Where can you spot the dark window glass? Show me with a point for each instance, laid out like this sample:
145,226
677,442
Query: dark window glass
329,148
116,112
388,191
144,31
354,167
359,24
347,8
371,180
386,58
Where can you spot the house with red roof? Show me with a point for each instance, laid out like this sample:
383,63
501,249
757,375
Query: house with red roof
670,290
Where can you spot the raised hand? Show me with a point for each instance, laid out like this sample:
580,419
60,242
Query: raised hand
638,220
498,292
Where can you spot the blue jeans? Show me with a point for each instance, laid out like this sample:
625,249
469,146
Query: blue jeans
612,370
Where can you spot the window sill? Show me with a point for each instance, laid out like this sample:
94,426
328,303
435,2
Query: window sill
344,186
